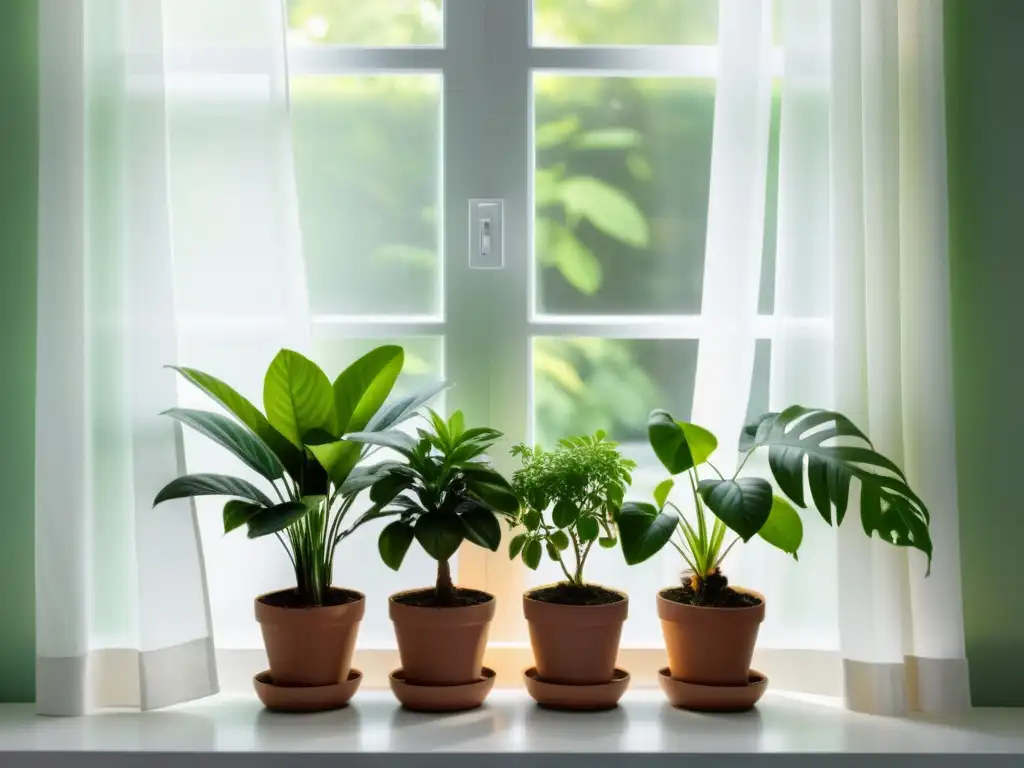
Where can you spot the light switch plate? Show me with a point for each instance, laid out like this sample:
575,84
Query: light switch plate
486,234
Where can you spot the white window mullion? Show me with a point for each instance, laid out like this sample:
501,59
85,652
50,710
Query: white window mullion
486,116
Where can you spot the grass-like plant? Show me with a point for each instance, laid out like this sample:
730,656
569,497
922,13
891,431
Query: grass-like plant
299,447
444,492
818,448
583,483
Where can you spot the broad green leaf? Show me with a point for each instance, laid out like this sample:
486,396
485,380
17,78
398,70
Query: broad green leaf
565,513
388,487
663,490
456,425
396,411
784,529
440,535
298,398
608,542
577,263
550,135
237,513
531,554
608,209
276,518
587,528
643,531
560,540
362,388
248,414
552,551
212,485
338,458
481,527
800,437
361,478
678,445
492,489
246,446
743,504
515,546
610,138
394,439
531,519
393,543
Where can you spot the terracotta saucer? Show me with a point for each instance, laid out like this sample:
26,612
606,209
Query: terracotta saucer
713,698
580,698
305,698
441,698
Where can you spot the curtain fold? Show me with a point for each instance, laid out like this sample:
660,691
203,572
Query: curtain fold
862,178
167,213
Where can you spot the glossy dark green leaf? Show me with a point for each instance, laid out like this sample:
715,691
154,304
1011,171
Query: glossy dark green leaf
246,446
212,485
565,513
743,504
362,388
388,487
532,553
481,527
515,546
608,542
276,518
643,531
394,542
440,535
531,519
492,489
801,441
237,514
678,445
587,529
297,397
560,540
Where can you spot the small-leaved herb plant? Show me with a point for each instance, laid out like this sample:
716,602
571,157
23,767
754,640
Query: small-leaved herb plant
444,492
818,448
582,485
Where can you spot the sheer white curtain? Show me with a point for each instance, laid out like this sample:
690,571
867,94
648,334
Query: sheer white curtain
166,215
862,180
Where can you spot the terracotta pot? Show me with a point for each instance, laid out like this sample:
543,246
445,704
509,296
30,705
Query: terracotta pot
575,644
710,646
310,646
441,646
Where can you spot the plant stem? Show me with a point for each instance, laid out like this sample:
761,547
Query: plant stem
444,589
744,462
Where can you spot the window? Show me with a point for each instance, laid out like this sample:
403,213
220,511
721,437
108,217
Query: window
593,122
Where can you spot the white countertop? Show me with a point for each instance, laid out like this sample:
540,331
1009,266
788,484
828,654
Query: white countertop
510,723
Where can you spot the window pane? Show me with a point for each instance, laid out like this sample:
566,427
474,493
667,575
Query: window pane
367,154
376,23
622,184
625,22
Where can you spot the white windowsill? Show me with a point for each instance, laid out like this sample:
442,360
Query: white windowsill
215,730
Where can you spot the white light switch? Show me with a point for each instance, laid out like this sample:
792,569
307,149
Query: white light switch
486,240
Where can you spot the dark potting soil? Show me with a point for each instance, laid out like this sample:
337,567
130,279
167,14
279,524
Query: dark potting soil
719,598
570,594
427,598
289,598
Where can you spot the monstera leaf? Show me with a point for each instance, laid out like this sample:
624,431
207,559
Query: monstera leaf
802,442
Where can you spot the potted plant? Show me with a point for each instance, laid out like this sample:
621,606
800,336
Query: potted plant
710,627
442,493
574,625
314,477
